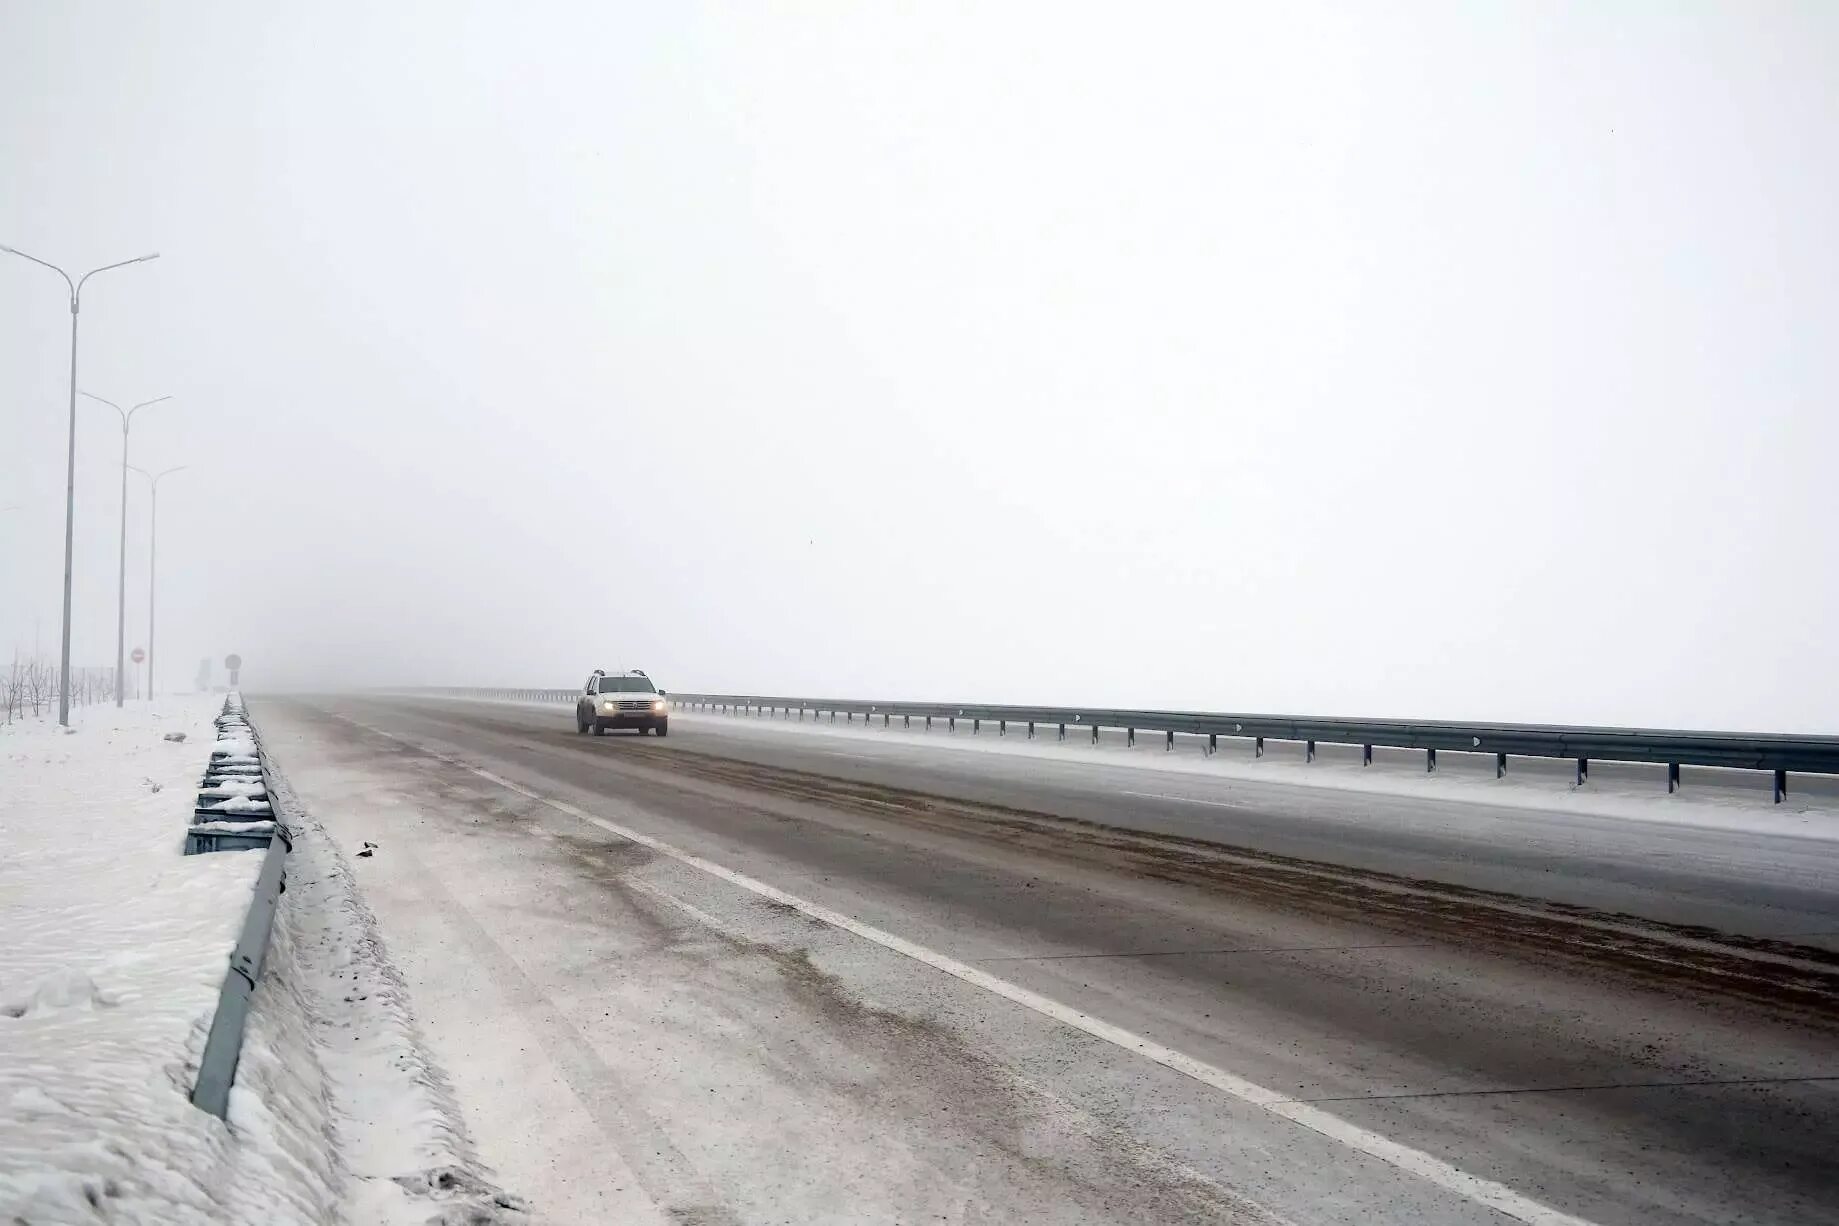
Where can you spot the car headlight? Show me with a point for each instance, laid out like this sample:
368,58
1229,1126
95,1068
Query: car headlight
609,705
658,705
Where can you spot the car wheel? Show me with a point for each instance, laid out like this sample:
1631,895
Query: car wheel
600,729
662,729
580,724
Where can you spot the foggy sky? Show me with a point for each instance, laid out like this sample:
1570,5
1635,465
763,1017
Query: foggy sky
1450,360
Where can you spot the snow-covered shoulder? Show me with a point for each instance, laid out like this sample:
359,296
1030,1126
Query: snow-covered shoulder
115,946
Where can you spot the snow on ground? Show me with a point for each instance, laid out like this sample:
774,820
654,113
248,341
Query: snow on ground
113,945
401,1141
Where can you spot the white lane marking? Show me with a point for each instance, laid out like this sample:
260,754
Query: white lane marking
696,913
1497,1196
1186,800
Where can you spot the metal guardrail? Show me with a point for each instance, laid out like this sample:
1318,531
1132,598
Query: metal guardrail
1779,754
223,1047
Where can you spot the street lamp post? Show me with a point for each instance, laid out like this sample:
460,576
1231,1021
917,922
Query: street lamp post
70,463
121,578
153,544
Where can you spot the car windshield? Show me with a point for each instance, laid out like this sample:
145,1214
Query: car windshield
626,685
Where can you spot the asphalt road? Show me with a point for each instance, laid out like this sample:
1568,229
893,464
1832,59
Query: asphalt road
973,986
1778,881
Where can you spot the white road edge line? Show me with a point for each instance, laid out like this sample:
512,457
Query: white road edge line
1434,1170
702,918
1186,800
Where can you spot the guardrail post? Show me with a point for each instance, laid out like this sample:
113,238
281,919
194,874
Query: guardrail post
1130,738
885,717
1063,732
1672,777
1213,743
1308,751
951,723
1500,766
1583,771
1094,734
906,721
1258,747
1781,786
1002,727
929,723
1366,755
1031,730
1170,744
1430,760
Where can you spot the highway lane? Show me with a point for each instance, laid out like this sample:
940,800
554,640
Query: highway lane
1621,1072
1732,879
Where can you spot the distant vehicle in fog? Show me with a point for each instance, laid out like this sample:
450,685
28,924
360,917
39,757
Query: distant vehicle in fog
621,700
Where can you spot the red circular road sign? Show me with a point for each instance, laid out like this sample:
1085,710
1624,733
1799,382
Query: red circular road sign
232,662
137,655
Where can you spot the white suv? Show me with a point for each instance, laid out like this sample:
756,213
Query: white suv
621,700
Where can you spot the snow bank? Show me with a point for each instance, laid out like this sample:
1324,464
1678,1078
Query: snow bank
115,947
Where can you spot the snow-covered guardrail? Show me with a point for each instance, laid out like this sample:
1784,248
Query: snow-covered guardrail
235,811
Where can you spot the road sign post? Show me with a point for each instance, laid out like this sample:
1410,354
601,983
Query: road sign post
235,664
